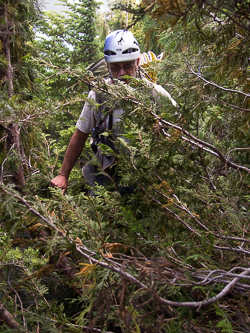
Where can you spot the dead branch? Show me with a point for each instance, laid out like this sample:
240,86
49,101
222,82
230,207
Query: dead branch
9,320
216,85
202,144
232,105
113,266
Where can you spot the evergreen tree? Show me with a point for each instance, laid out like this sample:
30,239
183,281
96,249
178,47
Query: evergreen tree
16,27
82,29
68,41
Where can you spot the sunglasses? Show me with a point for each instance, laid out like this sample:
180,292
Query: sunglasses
116,68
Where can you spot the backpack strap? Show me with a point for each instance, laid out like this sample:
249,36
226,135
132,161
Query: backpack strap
101,125
110,120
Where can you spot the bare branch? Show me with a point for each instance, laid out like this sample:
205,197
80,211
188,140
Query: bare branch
209,301
234,249
111,265
202,144
235,149
8,319
232,105
216,85
183,208
237,22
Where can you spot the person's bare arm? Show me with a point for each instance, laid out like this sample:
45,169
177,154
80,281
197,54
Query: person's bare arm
73,151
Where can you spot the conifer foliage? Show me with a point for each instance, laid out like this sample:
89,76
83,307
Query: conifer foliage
16,20
172,255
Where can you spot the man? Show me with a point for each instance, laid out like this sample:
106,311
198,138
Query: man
122,55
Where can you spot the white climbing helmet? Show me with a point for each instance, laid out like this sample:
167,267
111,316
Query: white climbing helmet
120,46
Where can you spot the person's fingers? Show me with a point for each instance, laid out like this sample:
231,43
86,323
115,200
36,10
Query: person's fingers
59,182
51,184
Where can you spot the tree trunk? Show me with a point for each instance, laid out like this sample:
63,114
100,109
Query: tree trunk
9,69
13,140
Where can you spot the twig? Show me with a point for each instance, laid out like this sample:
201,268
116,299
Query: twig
9,320
216,85
33,210
237,22
233,106
182,207
69,324
177,217
235,149
2,166
83,251
77,215
202,144
20,301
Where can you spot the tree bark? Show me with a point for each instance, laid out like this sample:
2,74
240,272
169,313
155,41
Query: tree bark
9,69
13,140
8,318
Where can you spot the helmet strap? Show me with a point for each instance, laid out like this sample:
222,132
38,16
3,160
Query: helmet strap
110,75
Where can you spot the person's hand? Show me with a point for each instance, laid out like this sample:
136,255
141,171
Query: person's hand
60,182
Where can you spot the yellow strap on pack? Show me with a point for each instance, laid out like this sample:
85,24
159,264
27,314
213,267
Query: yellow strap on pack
146,59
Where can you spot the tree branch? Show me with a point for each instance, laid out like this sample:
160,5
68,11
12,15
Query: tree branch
202,144
9,320
232,105
111,265
237,22
216,85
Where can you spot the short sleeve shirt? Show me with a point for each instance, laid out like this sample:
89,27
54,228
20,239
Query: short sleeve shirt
89,118
89,115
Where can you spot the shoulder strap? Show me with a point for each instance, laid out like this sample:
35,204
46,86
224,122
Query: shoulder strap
101,124
110,120
107,112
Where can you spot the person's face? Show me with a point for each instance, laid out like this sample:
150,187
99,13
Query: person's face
119,69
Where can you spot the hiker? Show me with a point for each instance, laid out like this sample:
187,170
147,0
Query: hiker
122,56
